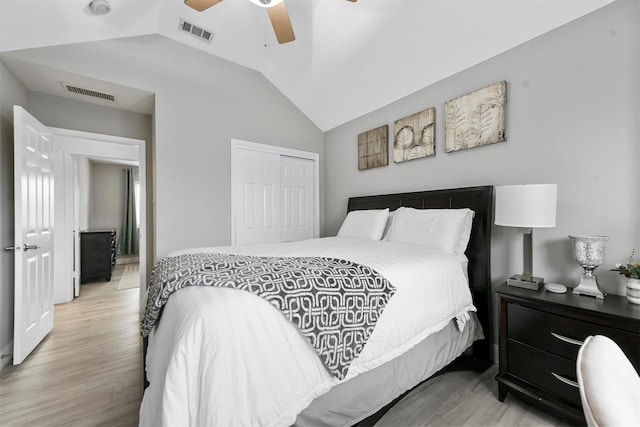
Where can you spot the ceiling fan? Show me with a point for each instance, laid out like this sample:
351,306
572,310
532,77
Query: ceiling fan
276,10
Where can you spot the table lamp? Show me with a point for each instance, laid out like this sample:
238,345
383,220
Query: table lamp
526,207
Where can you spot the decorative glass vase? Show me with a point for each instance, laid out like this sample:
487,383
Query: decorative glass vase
633,290
589,252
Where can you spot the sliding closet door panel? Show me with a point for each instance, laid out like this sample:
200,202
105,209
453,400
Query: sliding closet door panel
257,197
296,183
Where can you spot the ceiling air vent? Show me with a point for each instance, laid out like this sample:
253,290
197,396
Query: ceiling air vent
195,31
88,92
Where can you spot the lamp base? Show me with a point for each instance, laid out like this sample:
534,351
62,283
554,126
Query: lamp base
589,286
517,281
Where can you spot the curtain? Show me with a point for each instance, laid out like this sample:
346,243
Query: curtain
129,243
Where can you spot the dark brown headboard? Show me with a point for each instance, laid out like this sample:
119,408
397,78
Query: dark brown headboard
479,199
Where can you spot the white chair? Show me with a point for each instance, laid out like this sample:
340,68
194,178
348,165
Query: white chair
609,385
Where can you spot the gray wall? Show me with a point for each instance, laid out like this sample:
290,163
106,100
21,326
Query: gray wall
201,103
68,113
11,92
572,120
107,196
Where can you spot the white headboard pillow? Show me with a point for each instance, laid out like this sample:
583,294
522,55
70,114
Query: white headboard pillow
388,224
364,224
447,230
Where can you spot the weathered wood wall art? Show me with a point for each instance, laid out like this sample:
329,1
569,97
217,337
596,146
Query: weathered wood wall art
414,136
476,119
373,148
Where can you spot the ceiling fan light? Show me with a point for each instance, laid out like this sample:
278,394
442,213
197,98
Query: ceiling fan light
266,3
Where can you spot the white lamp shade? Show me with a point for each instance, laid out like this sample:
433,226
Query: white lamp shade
530,206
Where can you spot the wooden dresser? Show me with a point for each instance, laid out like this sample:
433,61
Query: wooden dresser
540,335
97,254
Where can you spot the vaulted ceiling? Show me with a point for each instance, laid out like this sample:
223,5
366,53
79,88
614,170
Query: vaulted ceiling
349,58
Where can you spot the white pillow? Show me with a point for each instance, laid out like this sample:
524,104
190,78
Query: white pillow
388,225
447,230
365,224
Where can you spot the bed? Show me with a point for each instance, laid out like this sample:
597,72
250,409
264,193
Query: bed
220,356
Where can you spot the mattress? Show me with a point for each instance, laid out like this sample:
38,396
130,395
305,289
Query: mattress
221,356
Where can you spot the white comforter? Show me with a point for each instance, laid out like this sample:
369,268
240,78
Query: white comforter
224,357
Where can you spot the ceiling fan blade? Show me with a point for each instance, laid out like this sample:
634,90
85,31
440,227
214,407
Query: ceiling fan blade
353,1
281,23
201,5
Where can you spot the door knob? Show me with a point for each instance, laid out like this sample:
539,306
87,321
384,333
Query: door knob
27,247
11,248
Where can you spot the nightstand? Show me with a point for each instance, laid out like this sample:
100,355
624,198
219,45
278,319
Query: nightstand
540,335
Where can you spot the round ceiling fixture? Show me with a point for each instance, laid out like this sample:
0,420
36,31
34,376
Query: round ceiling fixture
266,3
99,7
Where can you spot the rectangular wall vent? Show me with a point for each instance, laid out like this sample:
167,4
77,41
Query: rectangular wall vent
88,92
195,31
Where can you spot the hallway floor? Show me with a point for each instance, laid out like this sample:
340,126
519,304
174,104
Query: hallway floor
87,371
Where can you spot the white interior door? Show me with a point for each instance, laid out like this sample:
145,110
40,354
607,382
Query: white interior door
257,197
296,183
33,298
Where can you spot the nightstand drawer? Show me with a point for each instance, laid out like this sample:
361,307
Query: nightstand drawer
538,368
530,354
562,335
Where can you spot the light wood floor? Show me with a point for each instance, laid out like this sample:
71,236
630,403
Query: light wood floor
464,398
87,372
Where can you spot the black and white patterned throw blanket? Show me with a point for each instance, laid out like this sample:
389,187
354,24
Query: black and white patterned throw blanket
335,303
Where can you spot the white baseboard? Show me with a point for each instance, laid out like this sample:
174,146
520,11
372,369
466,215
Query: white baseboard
7,355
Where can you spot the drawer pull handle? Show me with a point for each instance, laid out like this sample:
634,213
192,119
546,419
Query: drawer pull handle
567,339
565,380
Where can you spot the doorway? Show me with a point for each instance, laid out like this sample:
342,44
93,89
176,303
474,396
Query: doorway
106,222
72,146
44,222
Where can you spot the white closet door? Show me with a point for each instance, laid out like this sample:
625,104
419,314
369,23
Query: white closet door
296,183
257,197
